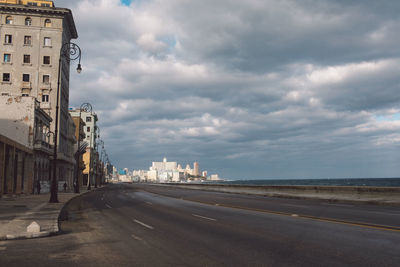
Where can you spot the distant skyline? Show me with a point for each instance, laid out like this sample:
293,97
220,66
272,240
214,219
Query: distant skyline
252,89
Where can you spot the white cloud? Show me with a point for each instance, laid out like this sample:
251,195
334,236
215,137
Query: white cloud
270,87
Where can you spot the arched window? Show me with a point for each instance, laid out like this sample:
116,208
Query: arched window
9,20
47,23
28,22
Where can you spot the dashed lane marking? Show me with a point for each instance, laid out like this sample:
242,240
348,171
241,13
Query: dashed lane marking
143,224
295,215
390,228
2,248
136,237
203,217
108,206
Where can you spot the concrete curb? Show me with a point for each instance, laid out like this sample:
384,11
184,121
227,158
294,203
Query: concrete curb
55,225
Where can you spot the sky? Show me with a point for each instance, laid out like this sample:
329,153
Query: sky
255,89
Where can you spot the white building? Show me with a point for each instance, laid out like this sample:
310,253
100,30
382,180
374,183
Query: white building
166,171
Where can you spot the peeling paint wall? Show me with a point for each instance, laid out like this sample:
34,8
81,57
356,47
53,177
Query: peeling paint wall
17,118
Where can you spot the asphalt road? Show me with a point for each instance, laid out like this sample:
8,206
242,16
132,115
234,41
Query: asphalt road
143,225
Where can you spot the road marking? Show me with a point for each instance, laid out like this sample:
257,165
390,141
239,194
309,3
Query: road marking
295,215
108,206
149,203
136,237
207,218
389,228
143,224
2,248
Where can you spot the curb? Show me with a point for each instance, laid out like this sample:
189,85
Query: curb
55,231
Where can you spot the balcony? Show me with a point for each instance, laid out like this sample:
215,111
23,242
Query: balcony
43,146
26,85
45,105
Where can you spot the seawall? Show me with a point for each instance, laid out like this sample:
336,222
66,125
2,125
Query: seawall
368,194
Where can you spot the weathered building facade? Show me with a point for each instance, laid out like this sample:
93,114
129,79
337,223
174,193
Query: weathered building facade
32,34
24,145
90,157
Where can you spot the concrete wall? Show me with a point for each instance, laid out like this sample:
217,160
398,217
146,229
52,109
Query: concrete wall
388,195
17,117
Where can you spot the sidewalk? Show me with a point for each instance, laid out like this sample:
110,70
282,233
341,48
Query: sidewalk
17,213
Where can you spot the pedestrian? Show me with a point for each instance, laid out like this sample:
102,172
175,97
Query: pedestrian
38,187
65,187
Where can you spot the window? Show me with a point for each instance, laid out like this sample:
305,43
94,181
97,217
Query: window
27,40
88,129
27,59
45,98
46,60
46,79
25,77
6,77
47,23
25,94
7,58
32,4
8,39
88,119
45,5
28,22
9,20
47,41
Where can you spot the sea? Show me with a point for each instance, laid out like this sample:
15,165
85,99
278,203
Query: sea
377,182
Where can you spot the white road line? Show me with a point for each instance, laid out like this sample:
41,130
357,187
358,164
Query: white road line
2,248
143,224
136,237
207,218
295,215
108,206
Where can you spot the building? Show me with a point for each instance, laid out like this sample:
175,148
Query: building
196,171
79,135
90,157
170,172
24,145
42,3
32,34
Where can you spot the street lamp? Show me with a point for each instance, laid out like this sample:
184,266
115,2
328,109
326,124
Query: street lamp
48,141
86,107
101,142
69,51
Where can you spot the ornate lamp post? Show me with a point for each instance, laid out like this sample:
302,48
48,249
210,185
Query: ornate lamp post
69,51
86,107
100,142
48,141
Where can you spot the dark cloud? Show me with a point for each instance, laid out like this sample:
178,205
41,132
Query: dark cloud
251,89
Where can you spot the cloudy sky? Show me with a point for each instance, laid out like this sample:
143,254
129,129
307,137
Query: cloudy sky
250,89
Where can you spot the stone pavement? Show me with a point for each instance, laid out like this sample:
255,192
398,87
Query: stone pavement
17,213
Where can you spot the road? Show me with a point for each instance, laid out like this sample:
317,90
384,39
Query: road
145,225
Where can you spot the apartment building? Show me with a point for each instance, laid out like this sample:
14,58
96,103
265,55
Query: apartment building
32,34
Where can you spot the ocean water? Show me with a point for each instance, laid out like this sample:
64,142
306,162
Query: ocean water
381,182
